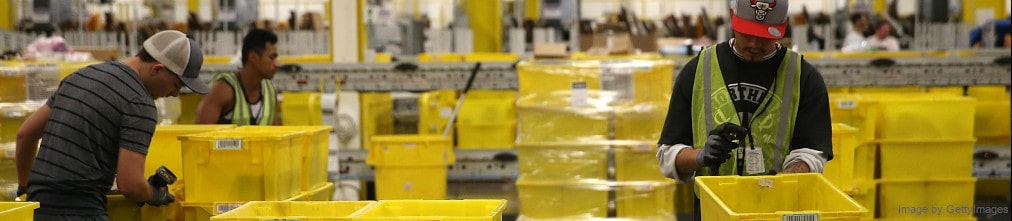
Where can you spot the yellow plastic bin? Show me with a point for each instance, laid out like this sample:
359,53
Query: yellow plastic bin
865,193
434,110
241,166
12,115
323,192
203,211
302,211
18,211
853,161
594,82
637,162
410,166
856,111
926,198
376,115
933,116
992,119
562,161
436,210
589,199
485,107
8,167
315,144
569,124
493,136
12,84
781,197
301,109
906,159
641,121
122,209
166,150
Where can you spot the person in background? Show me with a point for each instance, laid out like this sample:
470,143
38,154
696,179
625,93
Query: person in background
1002,32
859,23
247,97
882,40
97,127
772,103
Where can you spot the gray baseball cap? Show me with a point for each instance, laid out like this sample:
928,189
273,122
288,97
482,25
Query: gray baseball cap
762,18
180,55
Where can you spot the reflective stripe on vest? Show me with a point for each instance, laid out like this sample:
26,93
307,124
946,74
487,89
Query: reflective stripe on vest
240,111
772,129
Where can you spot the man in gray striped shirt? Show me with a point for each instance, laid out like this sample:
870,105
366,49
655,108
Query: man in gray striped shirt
97,127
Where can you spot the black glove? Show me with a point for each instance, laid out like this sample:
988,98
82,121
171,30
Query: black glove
22,190
156,182
719,144
160,196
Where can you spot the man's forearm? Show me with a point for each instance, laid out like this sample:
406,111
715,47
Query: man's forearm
797,167
24,159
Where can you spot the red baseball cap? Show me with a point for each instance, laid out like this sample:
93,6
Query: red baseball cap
762,18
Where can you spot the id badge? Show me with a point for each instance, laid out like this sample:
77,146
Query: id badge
754,163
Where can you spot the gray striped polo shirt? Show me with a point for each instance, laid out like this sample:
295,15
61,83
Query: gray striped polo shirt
95,112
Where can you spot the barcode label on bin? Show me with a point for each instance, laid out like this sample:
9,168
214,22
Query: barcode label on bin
618,80
846,104
228,144
578,96
801,217
225,207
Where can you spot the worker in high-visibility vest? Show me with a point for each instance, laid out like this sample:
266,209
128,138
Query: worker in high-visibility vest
748,106
247,97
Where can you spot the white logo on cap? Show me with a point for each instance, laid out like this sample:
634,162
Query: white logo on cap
762,7
774,32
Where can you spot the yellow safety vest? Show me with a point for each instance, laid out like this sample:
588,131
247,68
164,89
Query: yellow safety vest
771,129
241,111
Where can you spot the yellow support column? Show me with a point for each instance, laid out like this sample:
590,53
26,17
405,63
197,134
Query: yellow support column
362,32
7,19
532,9
971,8
193,6
878,6
486,24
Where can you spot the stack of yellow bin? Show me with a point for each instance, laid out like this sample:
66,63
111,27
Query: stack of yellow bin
586,139
918,128
223,169
895,133
12,115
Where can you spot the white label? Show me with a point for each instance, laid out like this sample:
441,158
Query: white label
10,153
445,112
754,163
40,16
228,144
226,15
578,98
14,114
642,148
225,208
644,187
763,182
618,80
846,104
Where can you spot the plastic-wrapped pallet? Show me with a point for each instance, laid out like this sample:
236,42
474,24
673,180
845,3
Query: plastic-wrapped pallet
586,139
